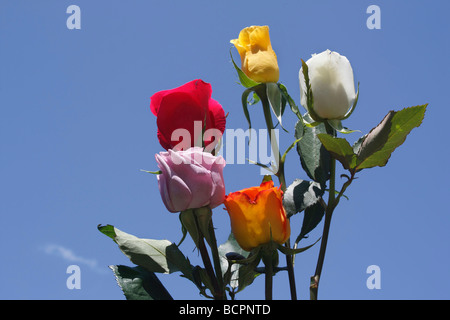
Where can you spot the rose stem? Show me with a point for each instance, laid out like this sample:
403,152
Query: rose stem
261,92
314,286
208,266
269,277
216,259
209,269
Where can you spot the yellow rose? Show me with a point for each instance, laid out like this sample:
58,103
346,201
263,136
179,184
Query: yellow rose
259,61
255,213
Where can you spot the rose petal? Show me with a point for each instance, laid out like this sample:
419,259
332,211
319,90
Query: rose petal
164,191
161,159
217,114
180,194
180,111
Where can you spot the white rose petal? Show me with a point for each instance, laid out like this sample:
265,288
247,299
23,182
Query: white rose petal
332,84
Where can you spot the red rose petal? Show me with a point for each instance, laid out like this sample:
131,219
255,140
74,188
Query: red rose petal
179,111
180,107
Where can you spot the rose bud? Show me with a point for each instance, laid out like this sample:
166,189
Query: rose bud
256,215
181,109
259,61
190,179
332,85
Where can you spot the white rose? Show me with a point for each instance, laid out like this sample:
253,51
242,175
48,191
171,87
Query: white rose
332,85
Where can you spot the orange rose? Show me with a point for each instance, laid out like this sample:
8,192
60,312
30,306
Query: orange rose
257,212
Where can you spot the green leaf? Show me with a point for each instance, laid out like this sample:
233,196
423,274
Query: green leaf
340,149
243,78
311,218
247,271
254,99
244,101
290,251
237,264
160,256
337,125
107,230
300,195
138,283
270,168
152,172
274,96
201,277
309,122
314,158
376,147
231,270
291,101
188,221
293,144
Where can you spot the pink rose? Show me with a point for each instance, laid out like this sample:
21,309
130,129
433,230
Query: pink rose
190,179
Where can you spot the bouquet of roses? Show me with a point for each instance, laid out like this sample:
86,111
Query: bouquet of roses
191,181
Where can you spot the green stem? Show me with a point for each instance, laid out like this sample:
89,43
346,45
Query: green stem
269,281
270,129
332,204
314,286
216,260
209,269
219,290
261,92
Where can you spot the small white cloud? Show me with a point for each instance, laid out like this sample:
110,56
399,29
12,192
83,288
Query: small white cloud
69,256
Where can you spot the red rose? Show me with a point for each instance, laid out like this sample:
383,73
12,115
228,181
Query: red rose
179,108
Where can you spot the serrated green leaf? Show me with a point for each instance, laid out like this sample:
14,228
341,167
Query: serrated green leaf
340,149
376,147
161,256
314,158
311,218
139,284
300,195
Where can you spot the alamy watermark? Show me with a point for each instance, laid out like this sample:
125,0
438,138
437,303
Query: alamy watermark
374,280
74,20
236,146
74,280
374,20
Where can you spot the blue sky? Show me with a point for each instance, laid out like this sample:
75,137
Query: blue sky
76,129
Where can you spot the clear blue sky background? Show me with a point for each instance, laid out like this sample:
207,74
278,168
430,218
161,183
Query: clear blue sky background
76,128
